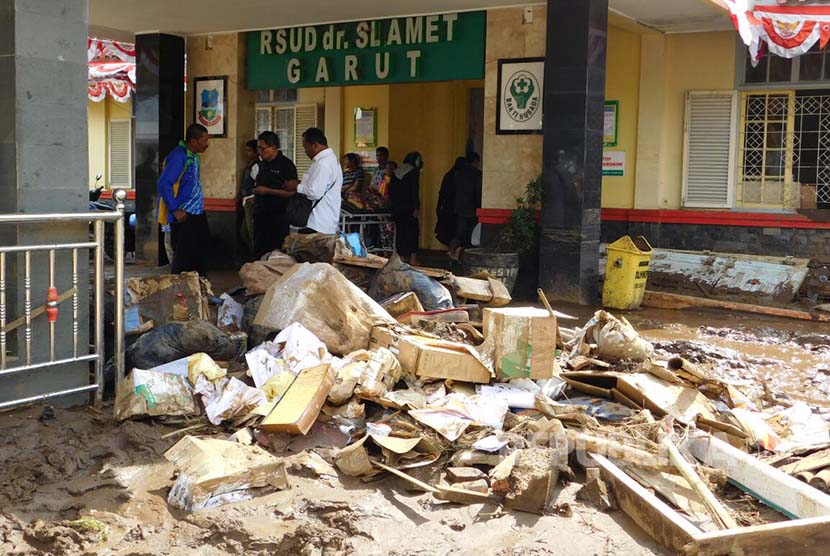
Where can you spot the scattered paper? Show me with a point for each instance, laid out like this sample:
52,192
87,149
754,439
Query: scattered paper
301,349
490,444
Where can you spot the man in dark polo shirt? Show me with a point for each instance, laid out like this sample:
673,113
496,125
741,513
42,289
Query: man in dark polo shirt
270,197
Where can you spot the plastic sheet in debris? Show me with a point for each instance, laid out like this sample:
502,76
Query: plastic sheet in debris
230,313
320,298
615,340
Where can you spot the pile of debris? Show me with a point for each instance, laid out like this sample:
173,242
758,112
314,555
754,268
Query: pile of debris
472,403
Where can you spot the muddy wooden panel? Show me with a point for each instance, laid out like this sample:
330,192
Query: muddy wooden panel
805,537
747,278
771,486
655,517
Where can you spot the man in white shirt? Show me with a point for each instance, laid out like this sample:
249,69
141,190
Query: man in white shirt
321,184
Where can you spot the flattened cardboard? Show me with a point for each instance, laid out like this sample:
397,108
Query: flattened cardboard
298,409
522,342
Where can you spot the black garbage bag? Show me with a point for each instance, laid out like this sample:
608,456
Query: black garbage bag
175,340
397,276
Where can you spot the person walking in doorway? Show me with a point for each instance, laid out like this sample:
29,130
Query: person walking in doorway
405,202
182,202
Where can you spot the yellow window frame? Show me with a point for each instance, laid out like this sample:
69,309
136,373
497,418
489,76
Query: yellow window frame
763,182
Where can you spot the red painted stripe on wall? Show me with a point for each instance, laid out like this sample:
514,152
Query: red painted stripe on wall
708,218
212,204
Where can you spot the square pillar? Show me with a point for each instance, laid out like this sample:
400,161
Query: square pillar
572,148
159,126
43,169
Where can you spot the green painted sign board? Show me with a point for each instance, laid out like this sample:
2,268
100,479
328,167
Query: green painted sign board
439,47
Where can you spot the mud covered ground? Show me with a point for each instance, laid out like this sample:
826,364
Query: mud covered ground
80,484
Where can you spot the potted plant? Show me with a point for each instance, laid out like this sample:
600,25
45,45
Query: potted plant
518,242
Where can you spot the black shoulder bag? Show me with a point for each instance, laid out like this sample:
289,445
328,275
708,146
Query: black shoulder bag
300,207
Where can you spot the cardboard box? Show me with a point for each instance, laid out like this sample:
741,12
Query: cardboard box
521,342
298,409
430,358
213,472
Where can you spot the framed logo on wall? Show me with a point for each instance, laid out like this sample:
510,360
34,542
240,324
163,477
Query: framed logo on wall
520,96
210,104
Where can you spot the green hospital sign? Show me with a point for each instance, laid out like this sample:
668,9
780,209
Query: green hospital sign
400,50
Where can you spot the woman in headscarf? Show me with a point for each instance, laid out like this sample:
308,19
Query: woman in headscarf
405,203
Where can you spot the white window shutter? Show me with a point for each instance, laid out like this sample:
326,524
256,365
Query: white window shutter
305,116
709,149
120,154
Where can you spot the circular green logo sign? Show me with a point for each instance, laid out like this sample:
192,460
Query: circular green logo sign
522,98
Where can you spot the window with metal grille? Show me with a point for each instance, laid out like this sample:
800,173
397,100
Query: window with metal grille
765,150
708,161
811,148
289,121
120,154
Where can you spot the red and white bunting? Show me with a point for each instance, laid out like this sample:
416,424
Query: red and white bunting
784,28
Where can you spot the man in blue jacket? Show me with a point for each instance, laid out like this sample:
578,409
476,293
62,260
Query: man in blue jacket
182,202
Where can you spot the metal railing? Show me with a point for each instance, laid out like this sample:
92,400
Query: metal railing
92,353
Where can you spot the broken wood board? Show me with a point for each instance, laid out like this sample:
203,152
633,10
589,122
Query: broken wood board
749,278
654,516
37,311
813,462
463,287
805,537
660,300
677,491
771,486
645,391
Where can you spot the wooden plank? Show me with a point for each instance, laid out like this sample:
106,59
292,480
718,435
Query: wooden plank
716,509
470,288
771,486
804,537
652,515
660,300
377,262
420,484
818,460
677,492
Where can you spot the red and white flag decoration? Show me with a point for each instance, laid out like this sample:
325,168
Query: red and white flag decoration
111,70
788,29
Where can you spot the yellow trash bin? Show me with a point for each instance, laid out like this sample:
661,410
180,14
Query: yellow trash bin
626,273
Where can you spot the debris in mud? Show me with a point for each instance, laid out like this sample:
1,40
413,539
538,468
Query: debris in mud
213,472
343,396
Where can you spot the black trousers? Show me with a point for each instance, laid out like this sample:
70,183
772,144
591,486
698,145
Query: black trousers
270,230
191,244
407,235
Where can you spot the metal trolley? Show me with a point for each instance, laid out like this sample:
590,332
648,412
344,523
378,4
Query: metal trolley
376,230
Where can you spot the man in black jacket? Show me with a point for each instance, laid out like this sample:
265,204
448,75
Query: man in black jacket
269,177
